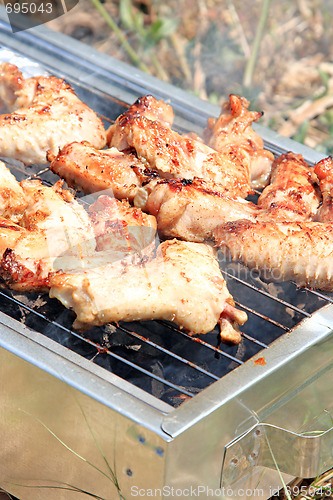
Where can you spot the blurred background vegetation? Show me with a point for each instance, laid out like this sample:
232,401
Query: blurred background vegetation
277,53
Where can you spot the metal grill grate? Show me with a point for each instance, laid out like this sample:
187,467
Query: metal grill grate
157,356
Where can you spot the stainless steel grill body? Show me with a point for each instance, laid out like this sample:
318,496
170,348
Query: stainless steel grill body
64,416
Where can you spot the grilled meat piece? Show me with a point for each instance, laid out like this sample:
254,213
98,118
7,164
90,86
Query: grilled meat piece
10,234
54,224
28,258
122,228
11,83
191,209
56,233
152,109
232,131
12,198
176,156
293,192
60,216
85,168
25,263
182,284
45,115
283,250
324,172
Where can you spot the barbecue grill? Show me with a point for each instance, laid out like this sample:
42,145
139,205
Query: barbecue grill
144,409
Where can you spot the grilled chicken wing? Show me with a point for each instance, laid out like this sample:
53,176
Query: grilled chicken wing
85,168
27,262
283,250
293,193
12,198
324,172
122,228
182,284
45,115
11,82
60,216
152,109
176,156
53,224
232,130
24,262
191,209
57,233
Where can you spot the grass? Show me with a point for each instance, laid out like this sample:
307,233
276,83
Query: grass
320,488
109,473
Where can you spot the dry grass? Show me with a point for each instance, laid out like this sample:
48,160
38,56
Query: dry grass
320,488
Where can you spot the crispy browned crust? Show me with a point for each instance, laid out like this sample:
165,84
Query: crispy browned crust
299,251
45,114
88,169
293,192
17,276
324,172
175,156
232,130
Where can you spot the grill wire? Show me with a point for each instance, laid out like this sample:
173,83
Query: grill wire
157,356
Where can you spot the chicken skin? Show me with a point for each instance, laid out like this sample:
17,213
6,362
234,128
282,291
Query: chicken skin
182,284
122,228
233,131
25,263
12,198
60,216
35,206
176,156
282,250
53,224
191,209
56,232
90,170
11,81
324,172
45,115
293,192
151,108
